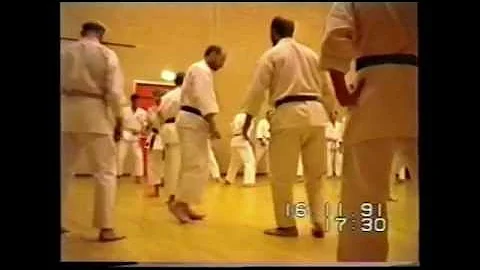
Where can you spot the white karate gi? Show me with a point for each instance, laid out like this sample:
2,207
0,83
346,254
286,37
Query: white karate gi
241,152
156,163
333,134
213,167
262,142
87,121
193,131
288,69
135,122
170,106
384,120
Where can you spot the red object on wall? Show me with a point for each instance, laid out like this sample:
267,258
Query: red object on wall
145,90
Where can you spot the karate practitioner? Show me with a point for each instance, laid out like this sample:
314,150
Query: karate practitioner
382,108
195,125
135,124
262,142
91,82
241,153
169,111
154,122
213,167
333,135
156,156
289,74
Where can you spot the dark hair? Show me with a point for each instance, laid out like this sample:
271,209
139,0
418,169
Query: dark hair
92,26
283,27
179,78
211,49
155,130
134,97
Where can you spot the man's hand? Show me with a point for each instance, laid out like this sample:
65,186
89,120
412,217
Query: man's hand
212,126
340,147
263,143
357,91
117,131
344,95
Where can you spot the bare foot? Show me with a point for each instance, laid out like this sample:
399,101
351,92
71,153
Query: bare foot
109,235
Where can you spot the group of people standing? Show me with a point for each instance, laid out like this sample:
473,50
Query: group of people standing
381,106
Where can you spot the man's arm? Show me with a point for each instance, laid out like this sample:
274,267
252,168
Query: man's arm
328,96
208,101
256,96
345,98
337,50
210,118
114,92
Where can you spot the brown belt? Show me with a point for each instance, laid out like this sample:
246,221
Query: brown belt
79,93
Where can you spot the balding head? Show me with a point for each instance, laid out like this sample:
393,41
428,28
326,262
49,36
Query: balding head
281,28
215,57
93,29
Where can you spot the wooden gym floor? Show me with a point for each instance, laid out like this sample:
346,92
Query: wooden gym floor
231,233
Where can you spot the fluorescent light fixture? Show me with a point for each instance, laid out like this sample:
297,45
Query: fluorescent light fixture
168,75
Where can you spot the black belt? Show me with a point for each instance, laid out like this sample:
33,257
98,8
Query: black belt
288,99
152,142
170,120
375,60
191,110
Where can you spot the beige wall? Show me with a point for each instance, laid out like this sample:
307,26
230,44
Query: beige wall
174,35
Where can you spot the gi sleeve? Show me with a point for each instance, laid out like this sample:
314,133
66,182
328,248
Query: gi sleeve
205,95
114,92
262,80
337,45
328,97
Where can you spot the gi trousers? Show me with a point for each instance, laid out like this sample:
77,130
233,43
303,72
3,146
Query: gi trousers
367,172
100,150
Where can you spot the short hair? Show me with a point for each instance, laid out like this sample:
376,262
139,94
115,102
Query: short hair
179,78
134,97
212,48
283,27
93,26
